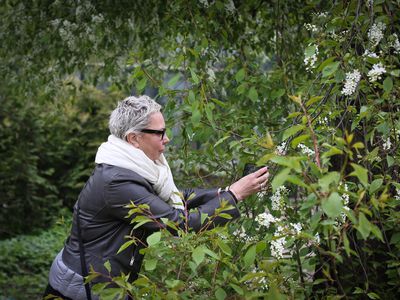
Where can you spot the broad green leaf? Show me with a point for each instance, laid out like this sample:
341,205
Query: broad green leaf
240,75
330,69
198,255
237,289
220,294
191,96
141,84
210,253
277,93
196,117
377,232
292,131
375,185
280,178
154,238
224,247
250,256
253,95
333,205
388,84
328,179
346,243
290,162
150,264
390,160
313,100
221,140
364,226
296,141
361,173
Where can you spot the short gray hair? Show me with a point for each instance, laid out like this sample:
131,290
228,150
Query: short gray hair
131,115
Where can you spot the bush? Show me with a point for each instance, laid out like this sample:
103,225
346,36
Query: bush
25,260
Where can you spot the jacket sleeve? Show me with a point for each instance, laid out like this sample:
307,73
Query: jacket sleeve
120,193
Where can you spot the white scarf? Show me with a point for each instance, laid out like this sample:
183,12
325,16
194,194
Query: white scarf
120,153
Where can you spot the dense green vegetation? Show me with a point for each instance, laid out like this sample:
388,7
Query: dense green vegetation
310,88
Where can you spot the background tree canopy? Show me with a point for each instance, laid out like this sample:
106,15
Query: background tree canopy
308,87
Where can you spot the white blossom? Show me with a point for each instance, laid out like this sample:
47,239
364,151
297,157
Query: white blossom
317,238
375,33
311,59
305,150
281,149
296,227
311,27
277,202
352,80
387,144
265,219
376,72
397,197
277,244
368,53
241,234
211,74
230,6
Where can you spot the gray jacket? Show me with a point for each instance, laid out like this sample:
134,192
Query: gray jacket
104,224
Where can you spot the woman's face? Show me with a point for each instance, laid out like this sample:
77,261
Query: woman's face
151,143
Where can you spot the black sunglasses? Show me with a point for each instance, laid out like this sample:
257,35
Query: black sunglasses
154,131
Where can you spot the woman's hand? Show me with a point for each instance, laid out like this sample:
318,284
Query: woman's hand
250,184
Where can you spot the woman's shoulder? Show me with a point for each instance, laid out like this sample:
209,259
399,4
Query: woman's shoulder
112,173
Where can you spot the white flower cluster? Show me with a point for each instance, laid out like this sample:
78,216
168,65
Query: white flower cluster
375,73
277,202
281,149
230,6
305,150
310,60
395,43
311,27
265,219
387,144
277,245
375,33
297,227
397,197
368,53
241,234
352,80
211,74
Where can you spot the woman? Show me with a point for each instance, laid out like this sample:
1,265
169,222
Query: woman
131,166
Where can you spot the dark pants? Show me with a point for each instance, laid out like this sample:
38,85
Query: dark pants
50,291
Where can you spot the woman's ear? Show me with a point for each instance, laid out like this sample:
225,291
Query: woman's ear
132,139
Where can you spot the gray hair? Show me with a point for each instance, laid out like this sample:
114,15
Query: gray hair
131,115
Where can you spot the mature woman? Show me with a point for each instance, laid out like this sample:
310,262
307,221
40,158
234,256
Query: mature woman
131,166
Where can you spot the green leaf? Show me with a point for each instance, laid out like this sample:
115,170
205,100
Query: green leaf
195,78
313,100
150,264
280,178
240,75
196,117
364,226
390,160
224,247
277,93
174,80
237,289
375,185
333,205
253,95
373,296
250,256
107,265
361,173
328,179
126,245
198,255
220,294
154,238
330,69
141,84
388,84
296,141
377,232
292,131
346,243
